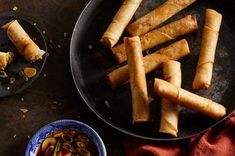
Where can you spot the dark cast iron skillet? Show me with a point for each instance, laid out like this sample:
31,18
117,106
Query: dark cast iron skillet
13,69
91,62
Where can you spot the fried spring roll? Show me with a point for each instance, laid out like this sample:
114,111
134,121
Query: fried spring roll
119,22
140,104
210,35
161,35
157,16
152,62
169,111
23,43
187,99
5,59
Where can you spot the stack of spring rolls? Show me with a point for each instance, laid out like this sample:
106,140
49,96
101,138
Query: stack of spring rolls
145,34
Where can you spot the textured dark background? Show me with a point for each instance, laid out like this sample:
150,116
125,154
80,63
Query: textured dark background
53,95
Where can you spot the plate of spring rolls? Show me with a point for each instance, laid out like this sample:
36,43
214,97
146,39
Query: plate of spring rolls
156,69
22,54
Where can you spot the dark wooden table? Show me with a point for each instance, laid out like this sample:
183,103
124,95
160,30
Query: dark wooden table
53,95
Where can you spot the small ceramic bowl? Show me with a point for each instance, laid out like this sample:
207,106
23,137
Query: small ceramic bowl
42,133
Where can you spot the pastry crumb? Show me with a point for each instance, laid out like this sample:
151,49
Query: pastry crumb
53,107
24,110
51,46
12,80
90,46
34,24
44,32
58,45
106,102
15,8
23,116
14,136
65,34
22,99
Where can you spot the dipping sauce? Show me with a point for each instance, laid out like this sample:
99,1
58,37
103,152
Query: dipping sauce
68,142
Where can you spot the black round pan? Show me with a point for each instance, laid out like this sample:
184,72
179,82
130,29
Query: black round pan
91,62
13,70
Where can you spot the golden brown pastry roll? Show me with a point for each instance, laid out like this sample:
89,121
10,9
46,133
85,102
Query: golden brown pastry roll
170,111
119,22
187,99
210,35
23,43
151,62
139,94
5,59
161,35
157,16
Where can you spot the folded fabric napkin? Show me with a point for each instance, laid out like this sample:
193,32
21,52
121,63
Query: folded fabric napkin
215,142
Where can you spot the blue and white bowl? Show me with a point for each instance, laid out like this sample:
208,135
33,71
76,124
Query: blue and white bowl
42,133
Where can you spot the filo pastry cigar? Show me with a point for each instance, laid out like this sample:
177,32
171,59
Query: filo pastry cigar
203,76
190,100
24,44
5,59
161,35
157,16
151,62
169,110
119,22
140,104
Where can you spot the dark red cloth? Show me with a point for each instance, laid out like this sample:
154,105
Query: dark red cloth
215,142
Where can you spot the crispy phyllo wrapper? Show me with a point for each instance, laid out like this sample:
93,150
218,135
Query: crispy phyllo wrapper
210,35
190,100
140,102
169,110
161,35
24,44
157,16
151,62
119,22
5,59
